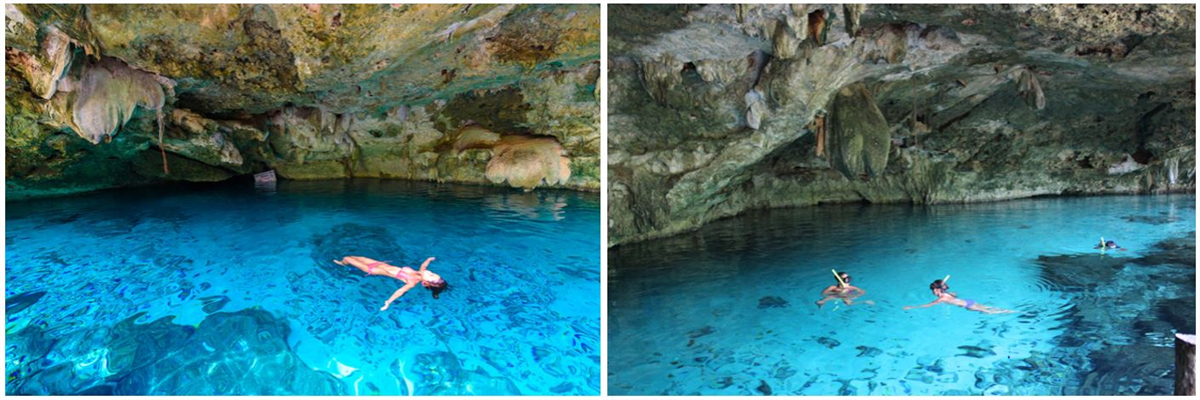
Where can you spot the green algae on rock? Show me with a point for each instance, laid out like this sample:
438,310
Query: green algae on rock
312,91
713,108
858,134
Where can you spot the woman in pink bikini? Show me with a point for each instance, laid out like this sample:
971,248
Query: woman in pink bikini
944,296
411,277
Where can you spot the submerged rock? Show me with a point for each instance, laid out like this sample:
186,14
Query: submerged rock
772,302
764,388
828,342
352,239
867,351
444,374
1151,219
976,352
1149,284
241,353
697,333
20,302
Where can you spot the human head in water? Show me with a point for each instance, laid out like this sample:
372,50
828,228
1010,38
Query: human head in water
436,287
845,278
938,287
1110,244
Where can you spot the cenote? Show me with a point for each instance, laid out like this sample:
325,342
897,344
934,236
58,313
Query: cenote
225,289
729,309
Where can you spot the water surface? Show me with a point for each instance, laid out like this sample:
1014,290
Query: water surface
227,290
730,309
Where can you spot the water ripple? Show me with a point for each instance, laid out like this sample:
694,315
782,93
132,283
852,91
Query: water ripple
686,313
132,292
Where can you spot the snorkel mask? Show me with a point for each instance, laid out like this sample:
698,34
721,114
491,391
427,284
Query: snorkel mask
939,285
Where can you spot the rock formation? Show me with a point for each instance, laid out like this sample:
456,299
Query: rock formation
713,108
105,96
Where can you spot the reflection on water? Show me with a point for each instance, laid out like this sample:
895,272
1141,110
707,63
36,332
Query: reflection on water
730,309
532,205
228,289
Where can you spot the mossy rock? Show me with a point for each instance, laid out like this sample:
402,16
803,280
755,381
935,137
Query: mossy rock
312,170
858,134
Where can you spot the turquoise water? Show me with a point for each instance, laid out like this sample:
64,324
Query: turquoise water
730,309
228,290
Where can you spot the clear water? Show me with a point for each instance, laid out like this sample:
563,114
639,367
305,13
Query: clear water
730,309
228,290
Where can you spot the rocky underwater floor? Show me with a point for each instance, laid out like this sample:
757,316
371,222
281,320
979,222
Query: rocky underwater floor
728,309
131,292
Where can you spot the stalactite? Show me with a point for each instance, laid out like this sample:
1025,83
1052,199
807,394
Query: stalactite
816,26
107,95
859,141
1030,89
158,113
521,160
819,128
740,10
1172,171
756,109
852,13
660,75
783,42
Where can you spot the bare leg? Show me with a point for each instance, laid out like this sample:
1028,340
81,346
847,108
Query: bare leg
362,263
822,301
990,310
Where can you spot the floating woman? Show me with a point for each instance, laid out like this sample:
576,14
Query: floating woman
942,291
411,277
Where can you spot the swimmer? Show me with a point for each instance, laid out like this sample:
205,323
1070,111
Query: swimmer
411,277
1108,245
942,291
842,290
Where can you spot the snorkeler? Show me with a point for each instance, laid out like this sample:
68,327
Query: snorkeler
411,277
1108,245
942,291
842,290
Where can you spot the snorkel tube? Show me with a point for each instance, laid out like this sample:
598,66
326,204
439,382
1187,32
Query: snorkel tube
944,288
839,278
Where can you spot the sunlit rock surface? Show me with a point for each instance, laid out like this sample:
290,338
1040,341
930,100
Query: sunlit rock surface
104,96
715,109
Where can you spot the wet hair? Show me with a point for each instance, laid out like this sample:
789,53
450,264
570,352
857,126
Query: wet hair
1110,243
438,288
939,285
845,277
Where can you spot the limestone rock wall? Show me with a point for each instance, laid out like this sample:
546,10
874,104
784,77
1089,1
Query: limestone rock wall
716,109
105,96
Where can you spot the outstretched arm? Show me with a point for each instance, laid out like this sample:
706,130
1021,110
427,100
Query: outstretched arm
924,306
425,265
399,292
